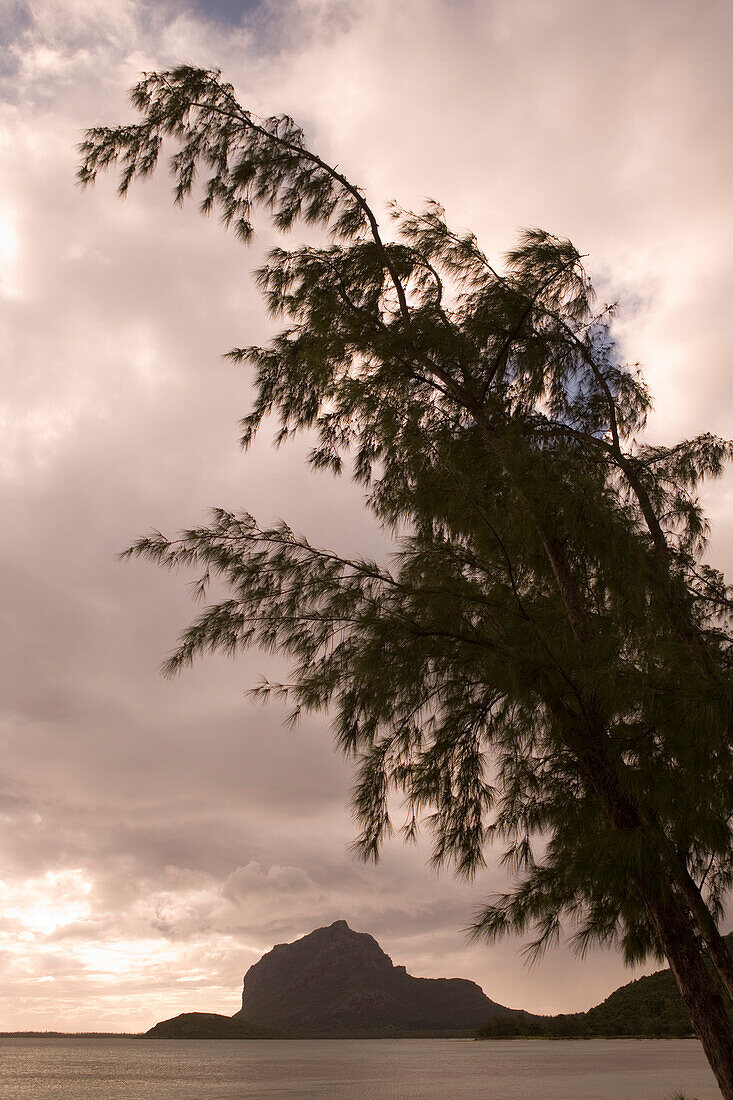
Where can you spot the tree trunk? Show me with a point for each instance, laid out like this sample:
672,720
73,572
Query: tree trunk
695,982
672,914
673,918
719,954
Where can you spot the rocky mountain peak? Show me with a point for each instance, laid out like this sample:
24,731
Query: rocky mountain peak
336,981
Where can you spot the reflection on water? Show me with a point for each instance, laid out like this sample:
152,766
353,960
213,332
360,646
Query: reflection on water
368,1069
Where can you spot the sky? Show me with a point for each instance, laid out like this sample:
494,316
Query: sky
158,836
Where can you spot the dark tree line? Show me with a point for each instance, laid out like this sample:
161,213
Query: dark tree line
650,1007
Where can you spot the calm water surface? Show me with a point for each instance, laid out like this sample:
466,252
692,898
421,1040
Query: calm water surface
369,1069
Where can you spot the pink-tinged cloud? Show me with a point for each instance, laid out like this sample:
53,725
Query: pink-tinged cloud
158,836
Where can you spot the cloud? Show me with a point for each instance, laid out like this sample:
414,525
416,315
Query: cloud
163,834
251,880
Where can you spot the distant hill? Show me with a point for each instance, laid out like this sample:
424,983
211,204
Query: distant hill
208,1025
649,1007
337,983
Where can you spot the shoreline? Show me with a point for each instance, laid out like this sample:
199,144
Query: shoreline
348,1038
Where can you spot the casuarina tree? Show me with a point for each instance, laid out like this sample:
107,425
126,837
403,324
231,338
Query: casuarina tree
545,661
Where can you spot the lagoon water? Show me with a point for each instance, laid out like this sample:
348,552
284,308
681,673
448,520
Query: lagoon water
368,1069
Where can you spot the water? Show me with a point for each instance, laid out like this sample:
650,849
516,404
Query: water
368,1069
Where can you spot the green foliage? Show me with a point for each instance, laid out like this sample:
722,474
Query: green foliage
545,661
648,1008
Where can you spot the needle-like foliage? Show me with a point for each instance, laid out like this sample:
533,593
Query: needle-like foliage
546,660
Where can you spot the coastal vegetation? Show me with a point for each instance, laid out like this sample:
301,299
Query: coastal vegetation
648,1008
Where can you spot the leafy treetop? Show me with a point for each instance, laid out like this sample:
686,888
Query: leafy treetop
546,659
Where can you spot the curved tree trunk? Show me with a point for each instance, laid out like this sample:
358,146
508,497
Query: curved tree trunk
675,916
719,953
695,982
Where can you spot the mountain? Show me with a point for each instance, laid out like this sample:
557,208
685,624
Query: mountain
337,983
650,1007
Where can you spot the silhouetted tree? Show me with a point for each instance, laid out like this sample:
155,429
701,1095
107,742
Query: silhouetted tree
547,660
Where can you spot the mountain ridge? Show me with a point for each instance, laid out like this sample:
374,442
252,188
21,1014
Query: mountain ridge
338,983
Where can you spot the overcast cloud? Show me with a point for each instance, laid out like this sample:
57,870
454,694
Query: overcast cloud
158,836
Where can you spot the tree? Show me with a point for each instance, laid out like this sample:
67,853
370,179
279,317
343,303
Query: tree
547,660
